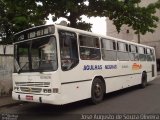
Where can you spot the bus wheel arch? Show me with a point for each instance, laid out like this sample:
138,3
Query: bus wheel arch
98,89
144,79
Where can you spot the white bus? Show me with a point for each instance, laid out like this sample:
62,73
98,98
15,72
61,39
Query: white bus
59,65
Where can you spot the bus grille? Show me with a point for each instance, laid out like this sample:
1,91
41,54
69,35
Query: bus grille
32,87
33,84
30,90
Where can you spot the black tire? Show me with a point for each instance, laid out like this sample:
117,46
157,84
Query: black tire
144,80
97,91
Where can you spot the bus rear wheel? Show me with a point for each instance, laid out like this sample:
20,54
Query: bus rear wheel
97,91
144,80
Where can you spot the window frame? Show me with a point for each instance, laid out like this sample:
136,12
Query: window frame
89,47
114,44
126,48
109,50
144,53
60,48
151,54
134,53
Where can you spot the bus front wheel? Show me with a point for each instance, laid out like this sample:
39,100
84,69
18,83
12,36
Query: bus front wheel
97,91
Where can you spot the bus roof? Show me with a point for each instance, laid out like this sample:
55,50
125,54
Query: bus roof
98,35
85,32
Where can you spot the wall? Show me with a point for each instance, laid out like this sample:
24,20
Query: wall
6,69
111,31
148,37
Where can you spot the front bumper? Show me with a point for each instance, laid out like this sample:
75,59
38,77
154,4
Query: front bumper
53,98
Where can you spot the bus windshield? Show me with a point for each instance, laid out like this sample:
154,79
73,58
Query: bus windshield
37,55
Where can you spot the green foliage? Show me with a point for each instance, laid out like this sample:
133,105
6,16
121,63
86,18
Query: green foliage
23,51
141,19
17,15
70,9
84,26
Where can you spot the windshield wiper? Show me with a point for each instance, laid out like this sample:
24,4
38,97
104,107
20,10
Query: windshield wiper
22,67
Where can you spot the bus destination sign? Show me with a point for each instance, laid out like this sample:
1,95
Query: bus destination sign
35,32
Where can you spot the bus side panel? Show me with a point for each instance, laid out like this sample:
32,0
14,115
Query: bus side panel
113,84
72,92
124,76
76,83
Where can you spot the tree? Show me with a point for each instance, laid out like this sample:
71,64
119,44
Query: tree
18,15
69,9
141,19
128,12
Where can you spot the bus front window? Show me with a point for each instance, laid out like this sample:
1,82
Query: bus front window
37,55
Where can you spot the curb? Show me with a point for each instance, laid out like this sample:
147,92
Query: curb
11,104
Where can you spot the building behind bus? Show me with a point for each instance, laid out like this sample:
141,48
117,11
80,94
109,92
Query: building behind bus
127,33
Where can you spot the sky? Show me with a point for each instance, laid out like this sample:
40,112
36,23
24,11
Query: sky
99,24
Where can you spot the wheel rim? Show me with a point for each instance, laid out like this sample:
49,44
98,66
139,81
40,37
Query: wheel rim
97,90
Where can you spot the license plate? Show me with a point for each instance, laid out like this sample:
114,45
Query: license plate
28,97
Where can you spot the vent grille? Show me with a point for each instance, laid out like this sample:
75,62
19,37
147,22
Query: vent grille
33,84
30,90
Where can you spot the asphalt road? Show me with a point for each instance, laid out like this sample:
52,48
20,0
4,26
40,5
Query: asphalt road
128,101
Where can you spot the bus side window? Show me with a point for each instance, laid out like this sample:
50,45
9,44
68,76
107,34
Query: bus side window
109,52
133,53
122,52
153,54
149,56
68,50
89,48
142,55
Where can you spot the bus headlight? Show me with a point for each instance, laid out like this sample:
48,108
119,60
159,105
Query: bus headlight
54,90
47,90
16,88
